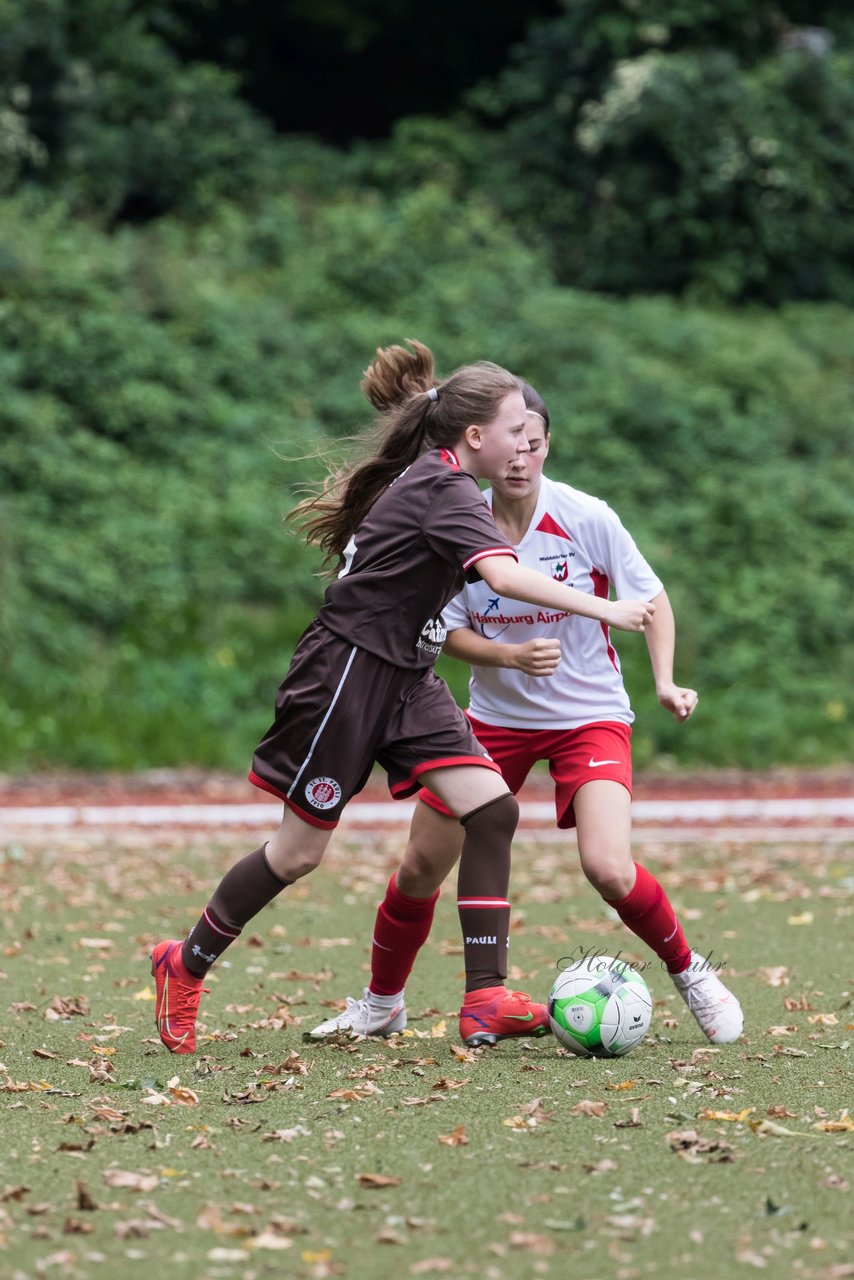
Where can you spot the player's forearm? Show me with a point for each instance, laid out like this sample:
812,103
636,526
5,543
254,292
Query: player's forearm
660,635
467,646
507,578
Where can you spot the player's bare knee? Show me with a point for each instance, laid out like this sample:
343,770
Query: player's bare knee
291,861
611,881
417,865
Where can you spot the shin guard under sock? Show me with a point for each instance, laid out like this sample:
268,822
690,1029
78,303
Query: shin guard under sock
240,895
647,911
401,929
482,887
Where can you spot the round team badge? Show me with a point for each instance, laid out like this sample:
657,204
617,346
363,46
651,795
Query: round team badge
323,793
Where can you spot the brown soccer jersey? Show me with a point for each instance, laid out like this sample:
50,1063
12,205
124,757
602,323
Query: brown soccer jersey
409,557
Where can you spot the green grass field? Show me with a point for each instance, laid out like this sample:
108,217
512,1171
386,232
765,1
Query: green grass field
267,1156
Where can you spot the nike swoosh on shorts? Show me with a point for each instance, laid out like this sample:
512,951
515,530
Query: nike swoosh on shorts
594,764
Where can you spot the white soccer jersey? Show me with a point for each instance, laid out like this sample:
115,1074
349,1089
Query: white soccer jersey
579,540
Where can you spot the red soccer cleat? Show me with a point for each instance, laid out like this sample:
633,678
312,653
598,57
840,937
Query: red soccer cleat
496,1014
178,998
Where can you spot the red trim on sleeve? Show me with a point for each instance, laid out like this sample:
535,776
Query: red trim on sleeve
601,587
486,553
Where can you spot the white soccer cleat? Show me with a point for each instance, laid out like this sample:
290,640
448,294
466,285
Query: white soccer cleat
712,1004
363,1018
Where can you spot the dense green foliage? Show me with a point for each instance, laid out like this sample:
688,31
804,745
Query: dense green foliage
187,302
164,388
690,148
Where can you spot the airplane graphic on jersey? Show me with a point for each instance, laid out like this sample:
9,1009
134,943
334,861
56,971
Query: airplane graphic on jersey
492,607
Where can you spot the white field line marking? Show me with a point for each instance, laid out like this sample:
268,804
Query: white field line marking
393,813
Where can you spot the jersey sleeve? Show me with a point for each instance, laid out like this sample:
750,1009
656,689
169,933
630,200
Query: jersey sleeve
455,613
459,525
613,546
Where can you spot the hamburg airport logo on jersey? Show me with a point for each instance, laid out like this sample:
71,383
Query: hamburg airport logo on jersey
323,793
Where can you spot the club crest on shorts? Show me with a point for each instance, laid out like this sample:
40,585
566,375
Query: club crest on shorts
323,793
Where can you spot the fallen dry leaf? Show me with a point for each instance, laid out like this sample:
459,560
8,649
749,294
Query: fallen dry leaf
688,1144
775,976
66,1007
588,1107
355,1095
769,1129
734,1116
533,1241
131,1181
14,1193
84,1200
844,1124
287,1135
458,1138
633,1122
186,1097
463,1055
601,1166
374,1180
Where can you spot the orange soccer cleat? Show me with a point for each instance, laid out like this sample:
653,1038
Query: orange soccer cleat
178,996
495,1013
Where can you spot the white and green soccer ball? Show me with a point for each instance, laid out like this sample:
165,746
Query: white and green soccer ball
600,1007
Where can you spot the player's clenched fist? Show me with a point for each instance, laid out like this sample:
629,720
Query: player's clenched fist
539,657
630,615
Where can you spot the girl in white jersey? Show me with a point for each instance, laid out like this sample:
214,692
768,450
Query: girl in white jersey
405,526
546,685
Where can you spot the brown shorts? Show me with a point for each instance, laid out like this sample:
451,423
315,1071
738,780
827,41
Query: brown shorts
339,710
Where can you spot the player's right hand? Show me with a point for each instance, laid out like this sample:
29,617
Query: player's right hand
539,657
630,615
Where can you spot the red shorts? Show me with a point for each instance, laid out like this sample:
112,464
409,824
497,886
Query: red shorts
575,756
338,710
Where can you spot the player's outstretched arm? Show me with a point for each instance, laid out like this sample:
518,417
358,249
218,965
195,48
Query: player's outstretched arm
507,578
661,643
539,657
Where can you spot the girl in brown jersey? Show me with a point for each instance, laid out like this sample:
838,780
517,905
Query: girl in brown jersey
545,687
404,528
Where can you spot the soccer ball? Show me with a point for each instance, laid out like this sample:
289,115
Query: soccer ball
600,1008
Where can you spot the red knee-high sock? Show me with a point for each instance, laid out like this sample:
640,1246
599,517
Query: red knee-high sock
647,911
402,927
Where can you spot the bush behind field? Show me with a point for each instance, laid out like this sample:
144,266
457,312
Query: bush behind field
166,392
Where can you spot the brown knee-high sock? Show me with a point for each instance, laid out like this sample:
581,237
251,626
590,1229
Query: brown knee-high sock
240,895
482,885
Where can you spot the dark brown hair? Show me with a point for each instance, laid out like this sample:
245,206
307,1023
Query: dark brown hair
535,402
397,382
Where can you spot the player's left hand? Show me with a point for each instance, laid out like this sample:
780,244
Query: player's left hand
681,703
